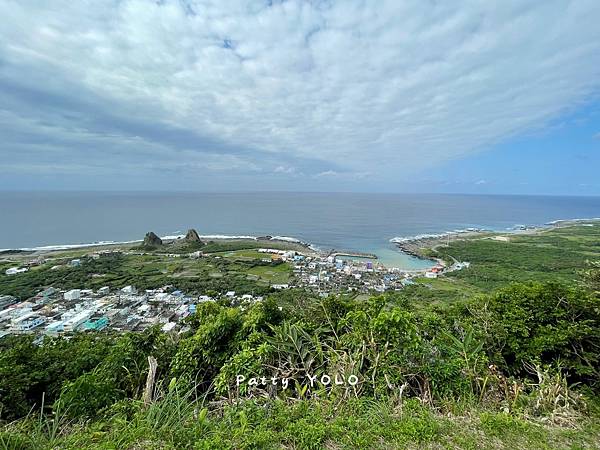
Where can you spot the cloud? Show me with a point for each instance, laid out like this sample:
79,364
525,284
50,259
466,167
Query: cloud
328,173
285,170
339,87
480,182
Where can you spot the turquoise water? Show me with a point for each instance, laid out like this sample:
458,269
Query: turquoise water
344,221
391,257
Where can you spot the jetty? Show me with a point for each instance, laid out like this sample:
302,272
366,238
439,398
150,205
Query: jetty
352,254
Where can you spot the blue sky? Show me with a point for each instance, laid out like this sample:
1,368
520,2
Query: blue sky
390,96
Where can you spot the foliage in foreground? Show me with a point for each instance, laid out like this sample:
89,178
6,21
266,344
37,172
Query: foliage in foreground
503,361
178,421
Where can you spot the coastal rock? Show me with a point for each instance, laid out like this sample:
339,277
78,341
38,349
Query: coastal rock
152,240
192,236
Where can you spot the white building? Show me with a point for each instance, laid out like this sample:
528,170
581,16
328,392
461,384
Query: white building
129,290
75,321
168,326
73,294
30,323
55,327
104,290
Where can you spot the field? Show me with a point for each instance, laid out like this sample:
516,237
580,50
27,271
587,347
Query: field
557,254
242,271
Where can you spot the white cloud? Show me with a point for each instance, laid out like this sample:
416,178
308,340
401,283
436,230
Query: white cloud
360,87
328,173
286,170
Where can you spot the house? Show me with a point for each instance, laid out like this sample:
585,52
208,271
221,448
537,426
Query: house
104,291
431,274
75,263
75,321
96,324
30,323
129,290
73,294
55,327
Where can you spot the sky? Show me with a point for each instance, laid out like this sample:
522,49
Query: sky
365,96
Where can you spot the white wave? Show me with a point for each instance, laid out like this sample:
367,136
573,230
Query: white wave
286,239
166,238
172,237
418,237
226,236
554,222
70,246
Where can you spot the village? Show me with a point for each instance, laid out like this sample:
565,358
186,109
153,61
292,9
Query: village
55,312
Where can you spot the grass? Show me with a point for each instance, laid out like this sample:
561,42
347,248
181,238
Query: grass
273,274
177,421
245,255
247,244
557,254
438,292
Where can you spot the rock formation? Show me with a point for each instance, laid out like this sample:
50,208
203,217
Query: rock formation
152,240
192,236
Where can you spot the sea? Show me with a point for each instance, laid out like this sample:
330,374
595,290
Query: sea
341,221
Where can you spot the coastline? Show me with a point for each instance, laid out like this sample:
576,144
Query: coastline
208,237
415,245
411,246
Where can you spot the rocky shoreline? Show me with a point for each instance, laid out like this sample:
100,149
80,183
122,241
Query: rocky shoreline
415,246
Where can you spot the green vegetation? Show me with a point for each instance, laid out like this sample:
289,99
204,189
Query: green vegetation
496,371
245,244
557,254
553,255
512,367
193,276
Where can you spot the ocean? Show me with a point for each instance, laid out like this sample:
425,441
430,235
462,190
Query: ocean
344,221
